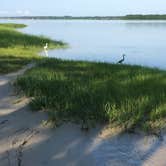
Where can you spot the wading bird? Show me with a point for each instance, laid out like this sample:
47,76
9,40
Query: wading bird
122,60
46,46
45,49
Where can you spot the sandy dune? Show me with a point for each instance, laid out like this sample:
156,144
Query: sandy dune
25,141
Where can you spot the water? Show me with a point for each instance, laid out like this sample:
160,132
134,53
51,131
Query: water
143,42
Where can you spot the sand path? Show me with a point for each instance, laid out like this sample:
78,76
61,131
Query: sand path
25,141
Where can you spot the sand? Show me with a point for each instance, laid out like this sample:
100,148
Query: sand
26,141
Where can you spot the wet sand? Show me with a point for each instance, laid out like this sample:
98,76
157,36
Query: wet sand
26,141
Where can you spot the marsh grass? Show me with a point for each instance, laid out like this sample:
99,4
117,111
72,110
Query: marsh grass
12,25
18,49
127,96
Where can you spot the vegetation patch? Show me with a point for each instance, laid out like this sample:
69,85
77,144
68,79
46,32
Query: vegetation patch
127,96
18,49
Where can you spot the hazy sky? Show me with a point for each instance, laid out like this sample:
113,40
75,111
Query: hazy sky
81,7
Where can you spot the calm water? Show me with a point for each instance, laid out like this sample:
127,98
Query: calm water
144,42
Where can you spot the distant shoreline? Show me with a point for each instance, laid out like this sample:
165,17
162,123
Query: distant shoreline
127,17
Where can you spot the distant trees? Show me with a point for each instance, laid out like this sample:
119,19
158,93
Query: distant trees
127,17
145,17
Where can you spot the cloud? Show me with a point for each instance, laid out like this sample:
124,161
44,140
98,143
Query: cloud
23,12
2,12
27,12
19,12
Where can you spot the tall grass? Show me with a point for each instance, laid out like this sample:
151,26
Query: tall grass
128,96
18,49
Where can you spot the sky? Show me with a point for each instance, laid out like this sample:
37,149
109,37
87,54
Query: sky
81,7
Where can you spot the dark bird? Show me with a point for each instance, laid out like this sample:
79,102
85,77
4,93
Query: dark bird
122,60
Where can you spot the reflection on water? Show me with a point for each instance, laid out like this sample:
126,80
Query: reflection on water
144,42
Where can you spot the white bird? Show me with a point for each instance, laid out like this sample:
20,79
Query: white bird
45,49
46,46
122,60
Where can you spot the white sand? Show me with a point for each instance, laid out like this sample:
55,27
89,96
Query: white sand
24,141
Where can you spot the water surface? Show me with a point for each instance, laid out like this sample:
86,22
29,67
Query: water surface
144,42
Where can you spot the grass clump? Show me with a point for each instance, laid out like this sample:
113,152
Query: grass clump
128,96
12,25
18,49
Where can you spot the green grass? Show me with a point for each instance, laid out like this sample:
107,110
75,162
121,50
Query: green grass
18,49
12,25
127,96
